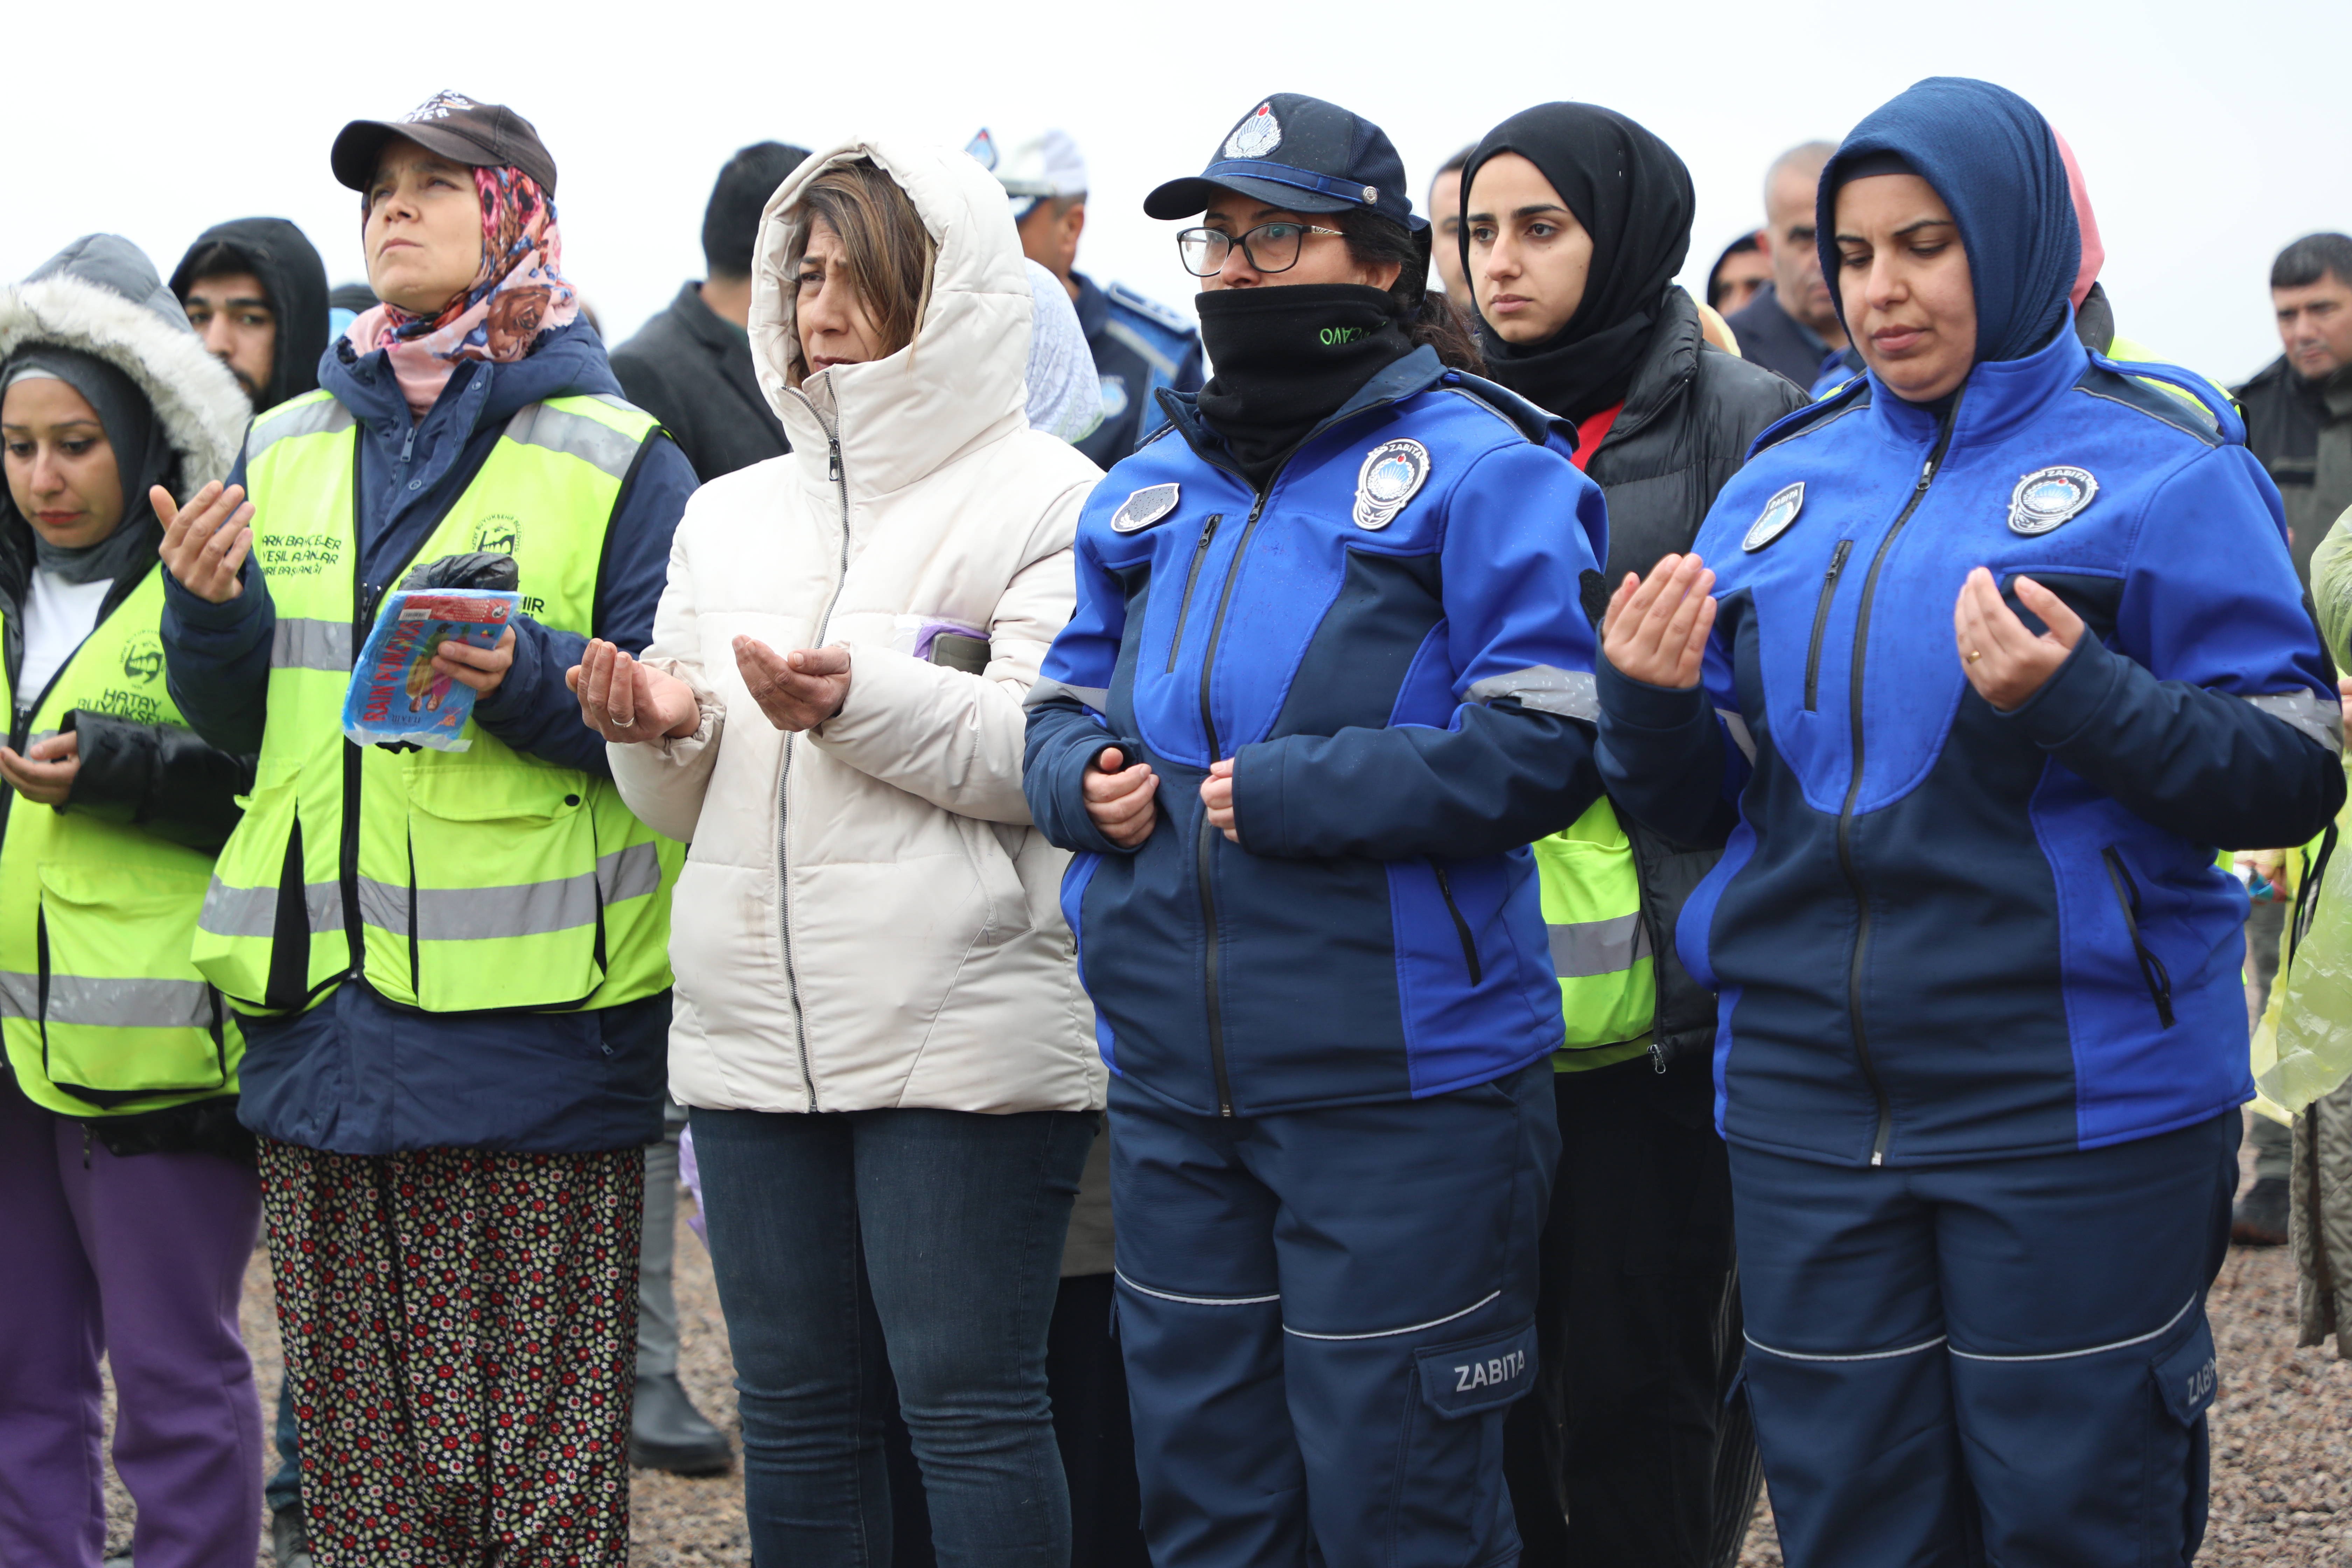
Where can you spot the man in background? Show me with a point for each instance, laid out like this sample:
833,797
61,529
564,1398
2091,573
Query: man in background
1791,325
690,366
1445,240
2299,424
1739,274
1140,345
256,292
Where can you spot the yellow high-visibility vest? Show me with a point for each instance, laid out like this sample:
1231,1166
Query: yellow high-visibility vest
1599,943
102,1012
449,881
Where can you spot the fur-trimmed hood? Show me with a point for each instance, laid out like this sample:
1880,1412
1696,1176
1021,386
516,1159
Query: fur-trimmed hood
102,296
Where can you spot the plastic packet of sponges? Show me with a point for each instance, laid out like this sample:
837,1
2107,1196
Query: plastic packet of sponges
396,697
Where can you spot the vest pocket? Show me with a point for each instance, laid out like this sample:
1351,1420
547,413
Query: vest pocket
500,907
122,1014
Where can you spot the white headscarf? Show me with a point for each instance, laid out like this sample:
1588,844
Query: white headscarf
1064,390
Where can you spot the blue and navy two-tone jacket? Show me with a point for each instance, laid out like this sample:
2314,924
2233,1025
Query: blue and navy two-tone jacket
1940,932
1406,694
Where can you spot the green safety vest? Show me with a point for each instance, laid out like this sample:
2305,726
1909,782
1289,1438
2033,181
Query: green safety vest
447,881
101,1008
1600,942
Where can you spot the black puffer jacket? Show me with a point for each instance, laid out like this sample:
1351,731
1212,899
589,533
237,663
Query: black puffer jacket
1689,418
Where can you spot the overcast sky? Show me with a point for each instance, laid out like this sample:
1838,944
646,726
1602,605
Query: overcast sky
2210,136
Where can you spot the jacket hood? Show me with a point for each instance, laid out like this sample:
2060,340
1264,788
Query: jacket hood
101,295
282,257
960,381
1995,161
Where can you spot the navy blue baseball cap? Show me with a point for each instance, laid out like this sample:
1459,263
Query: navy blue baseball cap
1301,153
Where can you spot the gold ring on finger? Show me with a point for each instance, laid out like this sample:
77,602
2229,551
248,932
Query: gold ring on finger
1975,654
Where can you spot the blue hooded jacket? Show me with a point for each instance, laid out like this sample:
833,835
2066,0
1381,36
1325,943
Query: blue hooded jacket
1407,701
1940,932
354,1075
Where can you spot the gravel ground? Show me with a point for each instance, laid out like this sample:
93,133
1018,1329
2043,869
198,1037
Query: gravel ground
2282,1431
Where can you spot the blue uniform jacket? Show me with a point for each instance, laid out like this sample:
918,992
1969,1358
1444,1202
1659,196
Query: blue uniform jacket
1938,931
1397,699
354,1075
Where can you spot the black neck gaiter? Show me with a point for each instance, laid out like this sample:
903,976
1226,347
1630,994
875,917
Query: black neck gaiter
1286,359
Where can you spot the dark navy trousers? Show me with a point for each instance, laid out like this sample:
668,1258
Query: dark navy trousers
1325,1315
2004,1362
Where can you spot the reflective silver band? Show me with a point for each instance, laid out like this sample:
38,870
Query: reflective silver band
1568,692
1588,948
2321,721
298,644
144,1003
1095,697
323,418
1740,735
253,912
1197,1300
481,914
576,435
448,914
630,873
2094,1350
1866,1355
1392,1333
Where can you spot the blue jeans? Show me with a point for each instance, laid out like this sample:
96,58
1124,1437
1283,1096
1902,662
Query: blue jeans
938,1234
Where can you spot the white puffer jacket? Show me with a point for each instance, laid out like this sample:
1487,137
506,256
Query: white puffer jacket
867,918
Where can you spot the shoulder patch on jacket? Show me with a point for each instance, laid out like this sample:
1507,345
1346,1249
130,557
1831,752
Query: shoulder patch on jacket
2194,418
1532,422
1855,394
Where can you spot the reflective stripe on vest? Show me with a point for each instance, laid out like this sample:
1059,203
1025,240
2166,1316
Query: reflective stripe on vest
101,1009
477,879
1599,943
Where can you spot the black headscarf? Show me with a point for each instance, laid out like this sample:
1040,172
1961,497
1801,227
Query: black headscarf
1633,196
142,457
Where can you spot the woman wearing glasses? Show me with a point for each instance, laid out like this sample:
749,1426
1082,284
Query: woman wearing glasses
1328,675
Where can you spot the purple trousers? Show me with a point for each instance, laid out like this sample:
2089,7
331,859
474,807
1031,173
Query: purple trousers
143,1260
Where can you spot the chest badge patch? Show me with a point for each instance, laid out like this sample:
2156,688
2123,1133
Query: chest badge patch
1144,508
1774,520
1392,474
2048,497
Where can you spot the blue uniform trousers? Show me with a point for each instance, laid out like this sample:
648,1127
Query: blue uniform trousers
1325,1315
2002,1361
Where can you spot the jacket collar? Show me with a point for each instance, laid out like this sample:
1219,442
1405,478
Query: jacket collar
570,363
1998,398
703,324
1416,372
1666,368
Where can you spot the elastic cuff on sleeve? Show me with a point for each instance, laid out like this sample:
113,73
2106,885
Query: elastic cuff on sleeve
2073,697
1642,706
1257,796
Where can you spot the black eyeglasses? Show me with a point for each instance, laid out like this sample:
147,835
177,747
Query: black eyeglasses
1270,246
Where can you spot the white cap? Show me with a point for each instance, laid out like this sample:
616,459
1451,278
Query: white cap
1031,165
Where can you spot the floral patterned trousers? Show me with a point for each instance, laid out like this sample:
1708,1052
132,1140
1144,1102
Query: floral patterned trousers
460,1331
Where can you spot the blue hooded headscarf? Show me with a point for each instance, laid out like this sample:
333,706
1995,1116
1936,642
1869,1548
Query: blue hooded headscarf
1994,159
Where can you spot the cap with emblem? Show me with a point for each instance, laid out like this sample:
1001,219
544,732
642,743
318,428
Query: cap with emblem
1031,165
481,135
1302,155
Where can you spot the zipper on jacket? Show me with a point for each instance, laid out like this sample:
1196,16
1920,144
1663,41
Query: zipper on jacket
784,771
1206,849
2152,972
1191,581
1854,792
1821,623
1460,926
